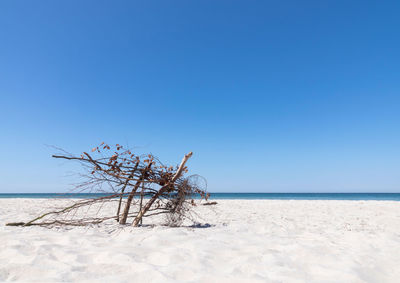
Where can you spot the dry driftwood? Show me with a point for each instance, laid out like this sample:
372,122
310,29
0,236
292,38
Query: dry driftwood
142,184
210,203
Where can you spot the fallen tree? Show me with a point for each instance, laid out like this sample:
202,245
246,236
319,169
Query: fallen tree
141,186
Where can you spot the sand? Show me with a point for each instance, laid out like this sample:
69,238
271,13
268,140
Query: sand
238,241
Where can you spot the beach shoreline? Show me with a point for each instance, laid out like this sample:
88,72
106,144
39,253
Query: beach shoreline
234,241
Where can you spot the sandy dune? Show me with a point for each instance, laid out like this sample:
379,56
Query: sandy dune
238,241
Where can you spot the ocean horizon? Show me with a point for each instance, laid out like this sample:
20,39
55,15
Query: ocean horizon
248,196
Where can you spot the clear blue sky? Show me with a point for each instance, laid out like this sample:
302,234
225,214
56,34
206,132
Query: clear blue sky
271,96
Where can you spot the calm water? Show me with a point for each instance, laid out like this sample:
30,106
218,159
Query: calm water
292,196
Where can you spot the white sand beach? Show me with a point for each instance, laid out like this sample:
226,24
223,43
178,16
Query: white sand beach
238,241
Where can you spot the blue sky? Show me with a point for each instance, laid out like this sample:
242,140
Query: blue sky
271,96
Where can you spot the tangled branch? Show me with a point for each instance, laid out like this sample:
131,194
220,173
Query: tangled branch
141,185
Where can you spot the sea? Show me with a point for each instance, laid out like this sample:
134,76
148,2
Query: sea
248,196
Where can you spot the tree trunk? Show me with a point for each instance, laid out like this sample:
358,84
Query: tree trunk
123,189
132,194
